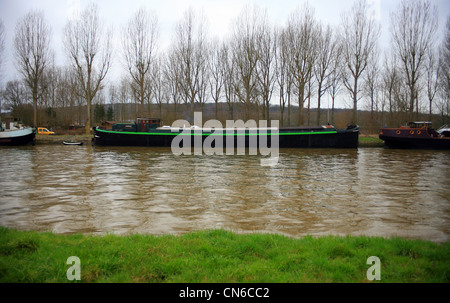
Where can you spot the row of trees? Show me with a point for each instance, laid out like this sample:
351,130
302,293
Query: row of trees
258,66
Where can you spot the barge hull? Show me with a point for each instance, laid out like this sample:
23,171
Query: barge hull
323,139
417,143
28,139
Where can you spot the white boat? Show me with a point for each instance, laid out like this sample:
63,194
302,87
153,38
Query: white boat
13,133
444,131
72,143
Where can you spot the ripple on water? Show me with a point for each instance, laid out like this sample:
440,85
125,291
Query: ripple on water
370,191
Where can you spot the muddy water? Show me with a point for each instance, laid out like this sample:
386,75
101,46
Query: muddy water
369,191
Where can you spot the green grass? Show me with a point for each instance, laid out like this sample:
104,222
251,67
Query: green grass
370,142
218,256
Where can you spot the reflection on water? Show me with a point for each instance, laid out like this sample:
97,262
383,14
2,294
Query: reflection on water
370,191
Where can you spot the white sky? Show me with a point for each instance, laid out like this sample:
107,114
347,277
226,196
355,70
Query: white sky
219,13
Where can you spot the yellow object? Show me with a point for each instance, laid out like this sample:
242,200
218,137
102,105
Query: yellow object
44,131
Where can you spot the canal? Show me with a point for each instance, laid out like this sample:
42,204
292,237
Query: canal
124,190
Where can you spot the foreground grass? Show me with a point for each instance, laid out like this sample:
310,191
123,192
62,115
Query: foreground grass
217,256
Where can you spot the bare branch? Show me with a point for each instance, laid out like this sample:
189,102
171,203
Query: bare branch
139,40
302,31
89,50
360,34
413,28
32,52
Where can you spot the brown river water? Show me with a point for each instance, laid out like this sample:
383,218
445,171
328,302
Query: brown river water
125,190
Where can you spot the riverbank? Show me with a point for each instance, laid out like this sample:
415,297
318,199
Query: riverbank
370,141
58,139
218,256
364,140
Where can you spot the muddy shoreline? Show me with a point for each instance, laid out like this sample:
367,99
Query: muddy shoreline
59,139
364,140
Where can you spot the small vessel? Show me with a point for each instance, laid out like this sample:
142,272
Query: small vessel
419,135
148,132
68,141
14,133
72,143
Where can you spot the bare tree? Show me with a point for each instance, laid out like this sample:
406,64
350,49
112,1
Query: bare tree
266,67
160,90
432,70
89,51
113,97
245,56
17,101
139,40
217,72
302,33
203,58
360,34
413,28
2,46
228,82
50,84
32,53
444,76
371,83
390,80
335,78
310,92
2,49
327,48
67,96
15,95
283,76
190,51
124,99
172,72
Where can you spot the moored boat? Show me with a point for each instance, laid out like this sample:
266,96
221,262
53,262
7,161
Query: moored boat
148,132
419,135
72,143
14,133
69,141
444,131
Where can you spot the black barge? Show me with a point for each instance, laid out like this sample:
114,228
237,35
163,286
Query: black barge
147,132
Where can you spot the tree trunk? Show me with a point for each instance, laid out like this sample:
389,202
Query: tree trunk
318,103
300,107
355,102
88,119
35,106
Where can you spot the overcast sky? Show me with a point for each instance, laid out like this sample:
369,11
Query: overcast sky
220,15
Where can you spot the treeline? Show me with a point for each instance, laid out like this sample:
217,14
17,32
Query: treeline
294,73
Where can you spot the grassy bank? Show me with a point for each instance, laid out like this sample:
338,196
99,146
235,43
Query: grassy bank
370,141
218,256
